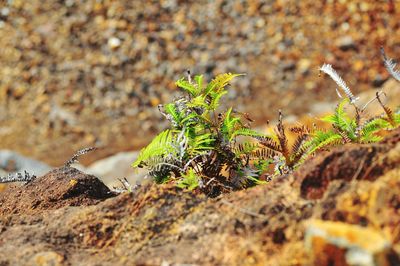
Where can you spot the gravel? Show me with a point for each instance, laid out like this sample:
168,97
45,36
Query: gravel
83,73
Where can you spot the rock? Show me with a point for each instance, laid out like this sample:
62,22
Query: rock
61,187
61,115
19,92
114,43
378,81
346,163
67,212
3,186
5,11
154,101
346,43
304,65
288,66
337,243
47,258
13,162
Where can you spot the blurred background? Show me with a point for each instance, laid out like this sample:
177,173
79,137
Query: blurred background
76,73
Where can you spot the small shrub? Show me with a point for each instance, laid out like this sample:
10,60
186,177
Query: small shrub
201,149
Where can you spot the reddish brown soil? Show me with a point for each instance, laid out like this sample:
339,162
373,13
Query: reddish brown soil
61,187
74,223
351,162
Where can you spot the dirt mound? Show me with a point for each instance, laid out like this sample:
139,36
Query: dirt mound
61,187
276,224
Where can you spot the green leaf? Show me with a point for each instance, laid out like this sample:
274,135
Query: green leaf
341,121
190,120
370,128
198,101
256,180
159,146
215,98
340,118
397,119
246,132
219,82
199,81
228,125
170,108
322,139
263,165
189,180
187,86
200,143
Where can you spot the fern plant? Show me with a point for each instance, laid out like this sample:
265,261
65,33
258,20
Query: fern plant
206,149
286,157
346,128
201,149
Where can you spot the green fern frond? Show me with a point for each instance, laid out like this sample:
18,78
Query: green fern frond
229,124
372,126
215,98
160,168
159,146
198,144
188,87
370,139
190,120
189,180
199,81
397,119
340,118
322,139
198,101
391,124
246,132
346,137
219,82
170,109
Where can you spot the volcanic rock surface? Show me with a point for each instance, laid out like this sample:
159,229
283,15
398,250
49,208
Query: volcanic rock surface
350,193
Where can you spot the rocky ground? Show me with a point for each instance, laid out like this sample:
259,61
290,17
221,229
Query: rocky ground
91,73
340,208
82,73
